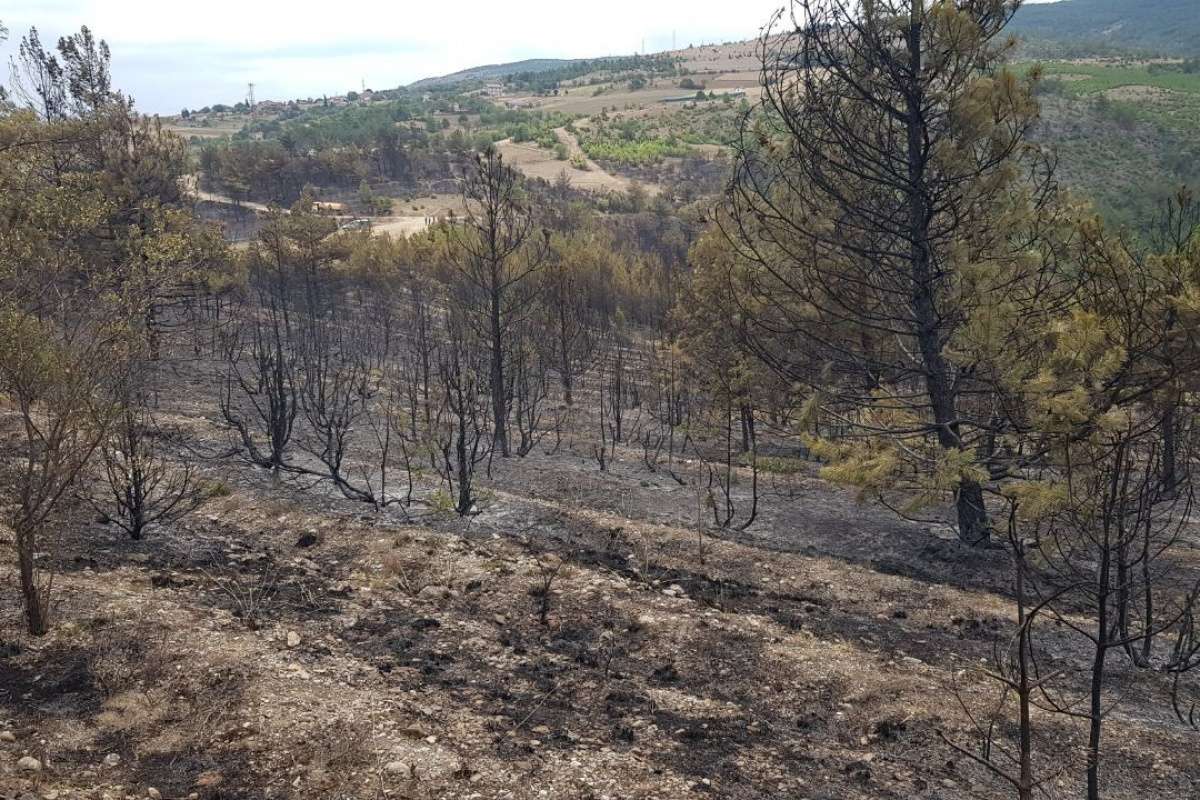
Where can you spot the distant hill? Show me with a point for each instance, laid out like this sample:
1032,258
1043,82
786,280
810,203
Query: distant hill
1063,29
1096,27
493,72
544,75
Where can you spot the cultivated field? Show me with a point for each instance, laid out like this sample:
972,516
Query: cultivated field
538,162
207,126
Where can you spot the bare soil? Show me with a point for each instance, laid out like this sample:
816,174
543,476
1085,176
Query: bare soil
538,162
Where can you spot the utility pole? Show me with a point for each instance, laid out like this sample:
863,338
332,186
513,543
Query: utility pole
250,96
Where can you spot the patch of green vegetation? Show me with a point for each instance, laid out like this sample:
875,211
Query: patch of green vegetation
326,124
592,71
523,126
778,465
1103,77
630,141
640,151
711,123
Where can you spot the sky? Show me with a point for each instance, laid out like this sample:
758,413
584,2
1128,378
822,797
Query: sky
171,54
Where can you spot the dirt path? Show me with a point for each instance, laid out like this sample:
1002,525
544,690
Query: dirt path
210,197
399,226
191,186
538,162
573,148
394,225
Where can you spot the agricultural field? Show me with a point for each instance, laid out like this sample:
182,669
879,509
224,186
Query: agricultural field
1092,75
579,170
605,96
207,126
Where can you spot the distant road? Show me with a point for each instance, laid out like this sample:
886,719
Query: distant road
191,185
403,224
209,197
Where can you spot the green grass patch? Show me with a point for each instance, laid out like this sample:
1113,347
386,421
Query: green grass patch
778,465
1070,77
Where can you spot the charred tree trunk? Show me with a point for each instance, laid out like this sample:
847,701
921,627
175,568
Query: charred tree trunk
972,514
747,417
499,388
37,617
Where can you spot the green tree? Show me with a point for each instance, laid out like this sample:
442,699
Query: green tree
882,194
54,378
94,241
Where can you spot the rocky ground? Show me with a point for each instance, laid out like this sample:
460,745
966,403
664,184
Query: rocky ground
577,639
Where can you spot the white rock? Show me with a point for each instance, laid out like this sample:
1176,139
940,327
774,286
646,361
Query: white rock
153,794
7,736
29,764
398,769
111,760
293,639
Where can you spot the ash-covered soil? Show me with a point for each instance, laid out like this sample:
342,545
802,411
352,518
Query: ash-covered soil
578,638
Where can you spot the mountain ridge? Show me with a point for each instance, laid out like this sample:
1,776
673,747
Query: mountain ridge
1095,27
485,72
1066,28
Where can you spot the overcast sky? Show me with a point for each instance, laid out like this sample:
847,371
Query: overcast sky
169,54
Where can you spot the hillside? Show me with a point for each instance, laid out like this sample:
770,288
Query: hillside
1138,120
1085,27
284,643
717,424
489,72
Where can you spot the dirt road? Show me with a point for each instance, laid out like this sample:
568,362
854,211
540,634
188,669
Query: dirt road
538,162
